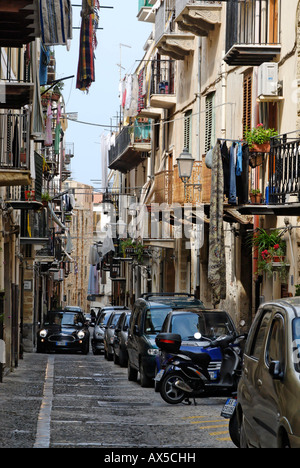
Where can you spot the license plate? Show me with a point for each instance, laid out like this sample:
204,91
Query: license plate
229,408
213,375
159,375
61,343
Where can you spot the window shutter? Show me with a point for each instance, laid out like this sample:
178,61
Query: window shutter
247,102
188,130
209,122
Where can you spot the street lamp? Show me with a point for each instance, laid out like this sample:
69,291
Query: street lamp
185,167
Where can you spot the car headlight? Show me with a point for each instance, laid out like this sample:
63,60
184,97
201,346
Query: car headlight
43,333
153,352
81,334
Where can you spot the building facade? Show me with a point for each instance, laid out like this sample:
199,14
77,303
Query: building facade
212,71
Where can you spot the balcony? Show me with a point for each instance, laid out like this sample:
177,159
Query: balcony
16,87
279,179
169,41
198,17
146,12
19,22
162,90
14,149
133,145
252,32
34,228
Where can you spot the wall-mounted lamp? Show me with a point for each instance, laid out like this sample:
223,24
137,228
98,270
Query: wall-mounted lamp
185,167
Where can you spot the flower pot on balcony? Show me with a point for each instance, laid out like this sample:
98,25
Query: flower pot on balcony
263,148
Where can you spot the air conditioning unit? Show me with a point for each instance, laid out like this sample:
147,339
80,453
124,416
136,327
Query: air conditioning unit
268,79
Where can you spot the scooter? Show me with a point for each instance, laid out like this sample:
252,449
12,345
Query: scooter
186,374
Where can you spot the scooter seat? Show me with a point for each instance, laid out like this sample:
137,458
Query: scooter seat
202,359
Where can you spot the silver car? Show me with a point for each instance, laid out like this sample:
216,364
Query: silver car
268,403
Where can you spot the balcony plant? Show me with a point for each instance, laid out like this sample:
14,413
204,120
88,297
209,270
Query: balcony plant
258,138
271,251
255,196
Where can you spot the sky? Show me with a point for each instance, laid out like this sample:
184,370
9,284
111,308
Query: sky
101,104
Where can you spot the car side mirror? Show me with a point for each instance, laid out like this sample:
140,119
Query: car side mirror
275,370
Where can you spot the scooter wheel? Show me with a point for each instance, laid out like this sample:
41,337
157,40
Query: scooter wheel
169,393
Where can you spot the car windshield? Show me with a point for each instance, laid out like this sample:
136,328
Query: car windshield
209,324
179,302
64,319
154,320
103,319
296,343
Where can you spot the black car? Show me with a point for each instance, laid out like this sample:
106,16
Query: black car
101,322
109,335
120,341
64,330
148,315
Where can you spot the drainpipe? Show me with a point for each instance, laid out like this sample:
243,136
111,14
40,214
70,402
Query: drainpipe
199,98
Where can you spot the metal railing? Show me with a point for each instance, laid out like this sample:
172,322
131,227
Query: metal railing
163,76
284,180
252,22
14,140
138,133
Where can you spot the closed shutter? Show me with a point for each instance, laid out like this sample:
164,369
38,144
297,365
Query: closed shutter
188,131
209,122
247,102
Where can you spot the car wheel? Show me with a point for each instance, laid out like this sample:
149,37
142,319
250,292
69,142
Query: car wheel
116,359
234,430
132,373
122,359
145,380
243,437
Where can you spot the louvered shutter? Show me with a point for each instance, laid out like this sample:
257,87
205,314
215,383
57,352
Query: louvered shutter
247,102
188,130
209,122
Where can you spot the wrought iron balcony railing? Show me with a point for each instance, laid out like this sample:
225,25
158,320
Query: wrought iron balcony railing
284,183
252,31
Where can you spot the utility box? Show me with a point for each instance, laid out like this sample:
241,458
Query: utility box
268,79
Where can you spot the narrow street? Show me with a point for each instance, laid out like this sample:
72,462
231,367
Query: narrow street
75,401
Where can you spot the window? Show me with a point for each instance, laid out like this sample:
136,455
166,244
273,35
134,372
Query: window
188,131
276,343
209,122
247,102
260,334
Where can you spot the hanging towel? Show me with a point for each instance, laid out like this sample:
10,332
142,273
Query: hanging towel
49,139
56,21
216,254
88,44
16,146
239,160
44,62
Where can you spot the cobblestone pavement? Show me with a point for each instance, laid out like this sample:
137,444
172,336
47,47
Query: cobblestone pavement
70,400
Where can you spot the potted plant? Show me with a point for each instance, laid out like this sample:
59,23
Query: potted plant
255,196
258,138
271,249
45,198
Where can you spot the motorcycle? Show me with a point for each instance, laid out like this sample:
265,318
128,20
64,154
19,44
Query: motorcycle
186,374
229,412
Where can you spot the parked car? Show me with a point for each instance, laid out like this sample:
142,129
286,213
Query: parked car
175,300
268,400
146,321
209,323
120,340
64,330
109,335
73,308
99,329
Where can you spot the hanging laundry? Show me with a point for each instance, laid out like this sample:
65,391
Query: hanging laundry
141,95
49,140
56,21
16,146
216,256
44,62
88,44
57,130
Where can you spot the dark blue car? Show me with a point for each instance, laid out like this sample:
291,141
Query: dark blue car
189,323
